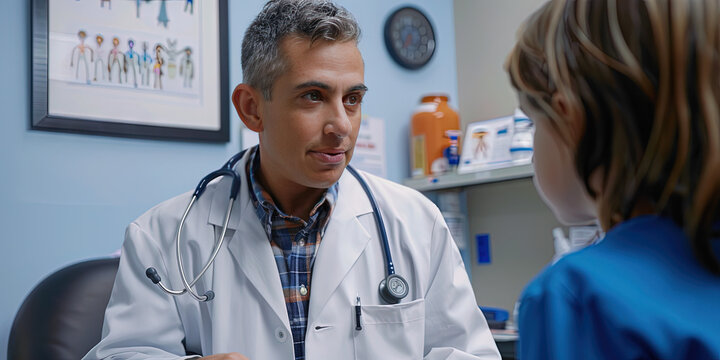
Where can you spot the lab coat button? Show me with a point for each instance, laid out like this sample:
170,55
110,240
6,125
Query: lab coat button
281,335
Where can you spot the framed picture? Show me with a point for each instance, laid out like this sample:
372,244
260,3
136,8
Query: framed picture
143,68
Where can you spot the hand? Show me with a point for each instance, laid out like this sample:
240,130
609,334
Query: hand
229,356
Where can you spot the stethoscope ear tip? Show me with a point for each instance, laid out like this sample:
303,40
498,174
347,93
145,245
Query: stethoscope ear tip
152,274
209,295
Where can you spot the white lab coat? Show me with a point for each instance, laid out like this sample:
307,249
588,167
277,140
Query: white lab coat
439,319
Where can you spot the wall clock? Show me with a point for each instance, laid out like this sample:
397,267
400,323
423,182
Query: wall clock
410,38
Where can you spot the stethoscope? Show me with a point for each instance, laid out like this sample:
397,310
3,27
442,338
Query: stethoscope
392,288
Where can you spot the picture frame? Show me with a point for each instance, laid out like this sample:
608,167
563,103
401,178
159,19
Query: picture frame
114,68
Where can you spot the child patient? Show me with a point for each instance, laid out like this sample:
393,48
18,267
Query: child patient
624,95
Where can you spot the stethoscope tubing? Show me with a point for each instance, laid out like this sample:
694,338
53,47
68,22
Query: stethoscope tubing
378,221
216,249
228,170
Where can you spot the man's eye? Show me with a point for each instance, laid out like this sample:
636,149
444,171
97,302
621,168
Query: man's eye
353,100
313,96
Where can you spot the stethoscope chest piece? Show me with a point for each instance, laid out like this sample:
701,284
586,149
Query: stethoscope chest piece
393,289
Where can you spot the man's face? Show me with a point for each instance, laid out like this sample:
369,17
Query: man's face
310,125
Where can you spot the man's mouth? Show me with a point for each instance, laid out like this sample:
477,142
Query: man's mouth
329,156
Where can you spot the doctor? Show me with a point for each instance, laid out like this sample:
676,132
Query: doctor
298,274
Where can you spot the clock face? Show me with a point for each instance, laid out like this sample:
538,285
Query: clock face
410,38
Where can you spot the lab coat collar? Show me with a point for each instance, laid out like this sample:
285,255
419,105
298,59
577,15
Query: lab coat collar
221,197
251,249
344,241
249,244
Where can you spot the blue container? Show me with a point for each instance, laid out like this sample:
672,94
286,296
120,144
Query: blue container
495,314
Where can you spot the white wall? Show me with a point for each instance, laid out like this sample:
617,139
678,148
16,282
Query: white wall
521,243
485,33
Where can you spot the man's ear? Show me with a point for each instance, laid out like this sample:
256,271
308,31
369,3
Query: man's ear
248,104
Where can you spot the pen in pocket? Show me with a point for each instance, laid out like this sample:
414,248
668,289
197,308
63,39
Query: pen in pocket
358,312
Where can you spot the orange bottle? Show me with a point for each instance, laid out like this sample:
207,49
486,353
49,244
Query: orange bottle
432,118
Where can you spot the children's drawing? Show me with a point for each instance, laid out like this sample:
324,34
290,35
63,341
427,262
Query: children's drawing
116,57
157,68
162,16
126,57
99,58
172,53
187,68
137,7
132,62
81,56
146,62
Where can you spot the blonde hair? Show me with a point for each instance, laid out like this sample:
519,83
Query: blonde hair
643,78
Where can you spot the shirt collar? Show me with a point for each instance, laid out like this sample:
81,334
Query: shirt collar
264,204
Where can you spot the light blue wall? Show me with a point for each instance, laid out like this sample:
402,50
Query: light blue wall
68,197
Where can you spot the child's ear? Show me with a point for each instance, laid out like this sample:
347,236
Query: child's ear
572,116
248,104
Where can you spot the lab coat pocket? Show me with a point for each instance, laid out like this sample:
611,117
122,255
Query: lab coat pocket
391,332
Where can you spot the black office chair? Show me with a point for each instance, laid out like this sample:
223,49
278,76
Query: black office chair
62,317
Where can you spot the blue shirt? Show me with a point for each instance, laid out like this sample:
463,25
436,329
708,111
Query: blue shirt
293,242
638,294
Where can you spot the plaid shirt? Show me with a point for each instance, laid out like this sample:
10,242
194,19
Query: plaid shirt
293,243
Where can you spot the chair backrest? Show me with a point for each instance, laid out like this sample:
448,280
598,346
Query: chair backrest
62,317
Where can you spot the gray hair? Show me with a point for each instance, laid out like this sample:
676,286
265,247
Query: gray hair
262,62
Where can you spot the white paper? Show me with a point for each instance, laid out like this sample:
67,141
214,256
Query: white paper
72,94
369,154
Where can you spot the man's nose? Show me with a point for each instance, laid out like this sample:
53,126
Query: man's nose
338,122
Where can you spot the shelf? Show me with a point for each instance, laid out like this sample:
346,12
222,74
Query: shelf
504,335
449,181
